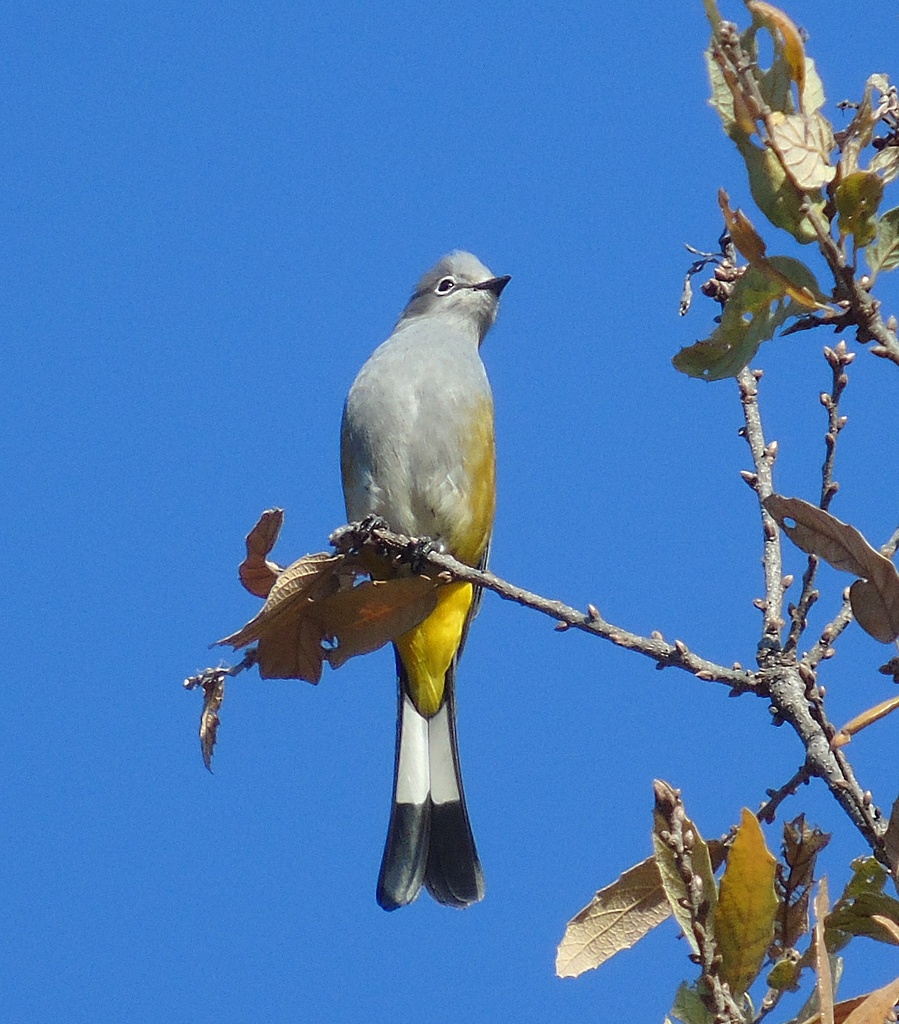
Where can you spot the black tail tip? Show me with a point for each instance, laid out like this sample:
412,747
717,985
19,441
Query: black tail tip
453,873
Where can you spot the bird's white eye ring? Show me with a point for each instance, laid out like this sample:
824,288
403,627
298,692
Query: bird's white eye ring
445,286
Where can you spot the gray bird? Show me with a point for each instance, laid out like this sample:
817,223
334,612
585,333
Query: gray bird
417,449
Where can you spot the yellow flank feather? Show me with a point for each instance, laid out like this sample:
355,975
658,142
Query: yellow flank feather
471,531
427,650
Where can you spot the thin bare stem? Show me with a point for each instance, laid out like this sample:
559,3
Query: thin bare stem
763,456
664,654
673,829
838,358
776,797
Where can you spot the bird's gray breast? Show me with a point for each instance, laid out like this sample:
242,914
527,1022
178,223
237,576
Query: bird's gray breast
408,426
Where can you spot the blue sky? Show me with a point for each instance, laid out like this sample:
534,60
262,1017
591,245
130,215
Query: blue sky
213,212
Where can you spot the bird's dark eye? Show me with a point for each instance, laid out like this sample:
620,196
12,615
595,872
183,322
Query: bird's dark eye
445,286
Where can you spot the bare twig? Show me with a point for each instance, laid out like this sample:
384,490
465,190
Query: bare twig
763,456
838,358
681,841
664,654
776,797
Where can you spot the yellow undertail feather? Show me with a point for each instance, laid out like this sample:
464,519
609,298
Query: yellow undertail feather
427,650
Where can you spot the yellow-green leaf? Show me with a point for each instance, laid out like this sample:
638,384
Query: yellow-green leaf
744,920
883,252
757,306
775,194
857,197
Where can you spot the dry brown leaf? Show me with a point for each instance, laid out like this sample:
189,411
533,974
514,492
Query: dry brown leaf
213,695
868,717
373,613
616,918
256,573
314,613
287,649
752,246
876,1006
841,1011
875,597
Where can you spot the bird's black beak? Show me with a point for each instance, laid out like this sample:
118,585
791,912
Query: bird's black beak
494,284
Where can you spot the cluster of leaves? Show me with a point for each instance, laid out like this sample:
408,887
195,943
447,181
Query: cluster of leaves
321,608
752,930
816,183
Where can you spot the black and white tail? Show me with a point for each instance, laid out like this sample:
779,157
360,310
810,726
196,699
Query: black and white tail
429,840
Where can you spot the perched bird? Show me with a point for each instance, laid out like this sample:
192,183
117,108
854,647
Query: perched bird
417,449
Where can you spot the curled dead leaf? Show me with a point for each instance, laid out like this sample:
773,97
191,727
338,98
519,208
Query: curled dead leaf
257,574
787,38
316,611
874,597
752,246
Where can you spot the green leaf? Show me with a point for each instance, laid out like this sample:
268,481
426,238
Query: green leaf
857,197
886,164
883,252
854,918
756,308
689,1007
744,919
862,899
775,195
868,875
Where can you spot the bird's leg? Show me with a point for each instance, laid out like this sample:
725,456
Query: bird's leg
417,553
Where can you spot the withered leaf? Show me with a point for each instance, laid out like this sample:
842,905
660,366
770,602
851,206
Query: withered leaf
875,1008
753,248
285,634
256,573
875,597
314,614
616,918
787,38
801,845
213,695
824,980
373,613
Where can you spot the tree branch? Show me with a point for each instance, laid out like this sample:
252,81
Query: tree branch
839,359
761,481
410,550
